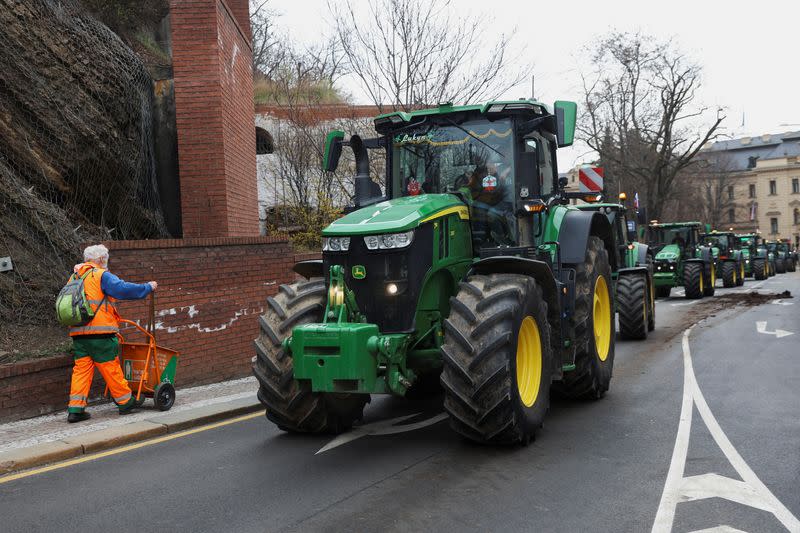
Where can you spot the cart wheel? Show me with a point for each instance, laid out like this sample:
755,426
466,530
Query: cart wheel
164,396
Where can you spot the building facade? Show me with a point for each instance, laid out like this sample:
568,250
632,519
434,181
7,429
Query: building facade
764,183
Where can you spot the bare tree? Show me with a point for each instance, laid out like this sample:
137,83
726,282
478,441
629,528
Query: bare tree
640,115
269,44
411,53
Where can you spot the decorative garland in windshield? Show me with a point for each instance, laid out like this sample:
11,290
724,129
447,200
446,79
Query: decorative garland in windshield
427,138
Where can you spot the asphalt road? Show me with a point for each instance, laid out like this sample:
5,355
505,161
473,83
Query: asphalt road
611,465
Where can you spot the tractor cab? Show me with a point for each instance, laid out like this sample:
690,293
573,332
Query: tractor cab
723,243
682,238
623,232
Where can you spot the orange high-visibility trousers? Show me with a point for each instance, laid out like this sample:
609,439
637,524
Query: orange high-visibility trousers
82,374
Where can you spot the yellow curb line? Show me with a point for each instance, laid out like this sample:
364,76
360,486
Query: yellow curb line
123,449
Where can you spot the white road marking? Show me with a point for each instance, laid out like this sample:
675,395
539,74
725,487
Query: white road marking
761,327
780,301
719,529
382,427
677,489
690,302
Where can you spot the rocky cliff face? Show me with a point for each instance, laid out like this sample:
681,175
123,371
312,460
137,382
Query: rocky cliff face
76,150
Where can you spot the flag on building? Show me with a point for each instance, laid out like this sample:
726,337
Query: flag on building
636,201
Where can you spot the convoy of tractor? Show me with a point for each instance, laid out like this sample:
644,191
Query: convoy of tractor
470,268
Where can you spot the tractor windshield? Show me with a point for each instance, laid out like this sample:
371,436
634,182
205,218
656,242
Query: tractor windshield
723,242
475,158
664,236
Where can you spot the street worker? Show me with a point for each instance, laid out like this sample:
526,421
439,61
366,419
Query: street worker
96,343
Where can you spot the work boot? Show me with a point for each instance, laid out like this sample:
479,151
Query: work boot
78,417
128,407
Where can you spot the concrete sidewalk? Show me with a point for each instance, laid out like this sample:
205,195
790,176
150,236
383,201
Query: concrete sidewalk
45,439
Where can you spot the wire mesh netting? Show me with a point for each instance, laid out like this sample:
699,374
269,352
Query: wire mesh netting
76,149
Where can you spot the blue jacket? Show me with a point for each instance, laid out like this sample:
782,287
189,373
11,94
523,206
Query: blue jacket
122,290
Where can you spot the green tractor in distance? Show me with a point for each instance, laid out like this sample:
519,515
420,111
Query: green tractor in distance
791,255
756,260
729,259
634,288
681,259
468,269
780,251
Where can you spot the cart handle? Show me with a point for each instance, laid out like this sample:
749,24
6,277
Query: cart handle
137,326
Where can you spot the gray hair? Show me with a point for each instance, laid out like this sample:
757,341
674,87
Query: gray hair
96,253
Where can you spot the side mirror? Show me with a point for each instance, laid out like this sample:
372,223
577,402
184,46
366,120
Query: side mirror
632,234
562,182
527,172
332,151
566,116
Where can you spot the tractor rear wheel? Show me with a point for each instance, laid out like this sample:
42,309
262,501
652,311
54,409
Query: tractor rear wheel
497,358
651,302
759,269
710,281
729,274
594,326
632,306
780,266
290,404
663,292
693,280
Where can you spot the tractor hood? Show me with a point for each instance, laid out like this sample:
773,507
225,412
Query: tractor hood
399,214
670,252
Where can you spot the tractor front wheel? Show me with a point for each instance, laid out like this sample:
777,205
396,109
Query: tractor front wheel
740,279
292,406
497,358
693,280
632,306
759,269
710,281
729,274
594,326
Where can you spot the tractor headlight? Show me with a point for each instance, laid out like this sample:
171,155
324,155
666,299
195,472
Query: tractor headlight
747,261
335,244
389,241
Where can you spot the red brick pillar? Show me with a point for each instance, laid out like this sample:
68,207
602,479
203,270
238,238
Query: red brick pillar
212,62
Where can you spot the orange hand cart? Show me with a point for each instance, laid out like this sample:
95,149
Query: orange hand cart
149,368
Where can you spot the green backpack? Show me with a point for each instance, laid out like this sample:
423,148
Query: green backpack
72,306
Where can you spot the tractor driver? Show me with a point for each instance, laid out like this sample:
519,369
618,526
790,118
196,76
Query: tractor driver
490,202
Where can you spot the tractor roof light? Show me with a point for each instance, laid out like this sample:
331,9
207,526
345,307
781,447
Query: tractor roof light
534,207
623,196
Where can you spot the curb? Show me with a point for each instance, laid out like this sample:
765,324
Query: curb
59,450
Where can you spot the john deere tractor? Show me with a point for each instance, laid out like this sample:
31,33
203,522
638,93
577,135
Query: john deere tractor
634,289
467,266
756,258
791,255
729,259
681,259
780,251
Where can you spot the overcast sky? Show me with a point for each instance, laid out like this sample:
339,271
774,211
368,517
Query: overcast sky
749,55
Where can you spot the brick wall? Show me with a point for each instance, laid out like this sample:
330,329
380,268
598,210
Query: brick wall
210,294
212,62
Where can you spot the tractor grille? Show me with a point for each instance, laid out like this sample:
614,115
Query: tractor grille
406,268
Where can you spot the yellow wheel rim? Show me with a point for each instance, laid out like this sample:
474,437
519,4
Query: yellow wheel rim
601,318
741,270
702,288
713,275
529,361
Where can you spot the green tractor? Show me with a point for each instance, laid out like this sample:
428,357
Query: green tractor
756,258
791,255
780,251
467,270
681,259
634,289
728,257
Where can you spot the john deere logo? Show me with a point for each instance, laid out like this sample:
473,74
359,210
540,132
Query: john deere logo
359,272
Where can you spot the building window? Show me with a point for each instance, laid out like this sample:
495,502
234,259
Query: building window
752,190
730,192
751,161
773,188
773,226
731,215
796,216
795,185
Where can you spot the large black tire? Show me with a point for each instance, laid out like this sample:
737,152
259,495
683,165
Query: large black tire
729,274
693,280
792,267
780,266
759,269
290,405
632,306
483,387
592,374
651,316
740,277
663,291
710,280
